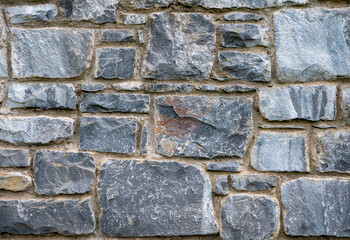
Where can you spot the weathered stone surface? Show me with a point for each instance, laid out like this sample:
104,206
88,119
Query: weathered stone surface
181,46
115,63
151,3
44,96
144,140
108,134
14,158
312,44
66,217
14,181
93,87
248,217
134,19
282,127
203,127
63,172
117,36
231,166
315,207
311,103
323,126
251,67
243,35
253,182
239,89
167,88
138,103
50,52
346,105
35,13
140,34
242,16
209,88
280,153
333,152
3,62
128,86
154,198
35,130
221,185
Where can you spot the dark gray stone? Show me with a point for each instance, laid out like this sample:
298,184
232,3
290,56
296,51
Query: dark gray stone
108,134
117,36
128,86
231,166
242,16
154,198
50,52
203,127
247,217
315,207
44,96
250,67
282,127
238,89
135,19
151,3
168,88
34,13
221,185
136,103
66,217
311,103
3,61
144,140
93,87
346,105
209,88
312,44
181,46
280,152
115,63
63,172
14,158
253,182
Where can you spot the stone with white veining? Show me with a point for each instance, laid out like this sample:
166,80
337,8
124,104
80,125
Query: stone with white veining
34,13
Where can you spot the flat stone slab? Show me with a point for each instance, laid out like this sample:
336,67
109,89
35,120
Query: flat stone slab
315,207
67,217
117,36
128,86
63,172
221,185
35,13
151,3
134,19
231,166
202,126
166,88
242,16
14,181
144,140
238,89
3,61
14,158
253,182
92,87
154,198
181,46
346,105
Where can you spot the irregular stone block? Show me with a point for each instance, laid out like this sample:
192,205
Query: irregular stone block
151,3
14,182
34,13
203,127
50,52
311,103
94,87
315,207
108,134
312,44
63,172
346,105
117,36
137,103
128,86
280,153
181,46
44,96
242,16
66,217
115,63
253,182
154,198
209,88
3,62
35,130
231,166
250,67
167,88
281,127
144,140
221,185
248,217
239,89
134,19
323,126
14,158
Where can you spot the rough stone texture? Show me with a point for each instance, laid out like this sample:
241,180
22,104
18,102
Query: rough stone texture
136,103
35,130
97,87
128,86
14,181
134,19
315,207
238,89
14,158
108,134
35,13
280,153
312,44
44,96
282,127
144,140
253,182
346,105
66,217
63,172
154,198
151,3
50,52
168,88
203,127
117,36
242,16
248,217
115,63
250,67
221,185
3,61
181,46
243,35
140,34
231,166
311,103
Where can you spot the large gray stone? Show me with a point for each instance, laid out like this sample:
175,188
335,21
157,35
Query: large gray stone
66,217
311,103
280,153
35,130
315,207
3,61
34,13
346,105
117,36
50,52
44,96
181,46
247,217
14,158
154,198
242,16
253,182
312,44
203,127
151,3
63,172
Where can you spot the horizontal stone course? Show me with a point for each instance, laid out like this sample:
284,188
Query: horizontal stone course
14,158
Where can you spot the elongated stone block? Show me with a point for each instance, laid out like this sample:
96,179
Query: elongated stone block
253,182
35,13
14,158
14,181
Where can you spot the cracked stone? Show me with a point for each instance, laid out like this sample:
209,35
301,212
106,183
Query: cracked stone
242,16
221,185
14,181
14,158
117,36
230,166
35,13
253,182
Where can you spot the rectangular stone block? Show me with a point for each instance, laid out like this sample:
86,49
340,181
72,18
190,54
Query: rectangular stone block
242,16
117,36
134,19
253,182
3,60
34,13
346,105
14,158
231,166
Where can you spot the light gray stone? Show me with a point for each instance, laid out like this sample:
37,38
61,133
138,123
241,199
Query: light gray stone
168,88
238,89
154,198
14,158
140,34
144,140
135,19
209,88
117,36
323,126
230,166
93,87
14,181
346,105
242,16
221,185
128,86
151,3
253,182
28,13
3,61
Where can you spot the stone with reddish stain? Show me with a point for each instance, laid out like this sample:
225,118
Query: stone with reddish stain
203,127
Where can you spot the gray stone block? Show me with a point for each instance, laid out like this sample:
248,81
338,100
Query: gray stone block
128,86
231,166
238,89
134,19
253,182
209,88
346,105
92,87
3,61
168,88
34,13
151,3
117,36
14,158
242,16
221,185
144,140
14,181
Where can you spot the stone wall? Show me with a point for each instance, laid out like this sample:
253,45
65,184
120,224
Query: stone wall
174,119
